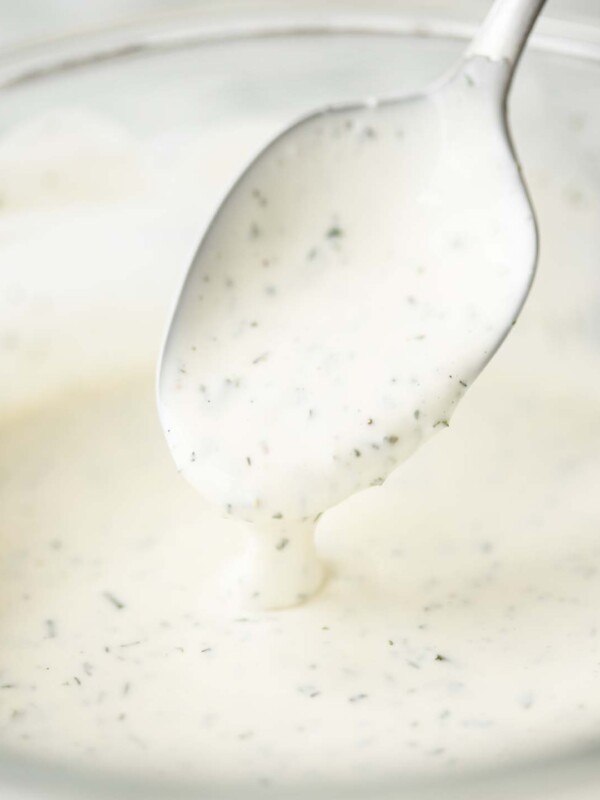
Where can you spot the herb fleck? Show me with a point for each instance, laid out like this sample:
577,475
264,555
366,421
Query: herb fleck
309,691
114,600
259,197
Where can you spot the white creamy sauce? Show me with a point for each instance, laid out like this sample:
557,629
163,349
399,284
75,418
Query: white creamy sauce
351,288
458,626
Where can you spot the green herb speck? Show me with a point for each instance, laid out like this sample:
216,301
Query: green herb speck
114,600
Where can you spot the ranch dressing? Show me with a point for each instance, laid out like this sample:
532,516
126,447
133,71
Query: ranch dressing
458,626
350,290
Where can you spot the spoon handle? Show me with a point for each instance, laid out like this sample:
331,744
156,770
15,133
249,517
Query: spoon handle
505,30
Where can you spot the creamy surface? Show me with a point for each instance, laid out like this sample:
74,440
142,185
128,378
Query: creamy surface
354,283
459,624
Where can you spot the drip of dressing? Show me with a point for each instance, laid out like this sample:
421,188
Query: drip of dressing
347,293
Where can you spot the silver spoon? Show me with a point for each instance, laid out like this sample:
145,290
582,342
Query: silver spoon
356,279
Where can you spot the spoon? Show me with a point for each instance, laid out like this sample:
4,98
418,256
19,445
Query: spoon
354,282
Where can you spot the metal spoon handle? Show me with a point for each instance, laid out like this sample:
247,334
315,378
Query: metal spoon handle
505,30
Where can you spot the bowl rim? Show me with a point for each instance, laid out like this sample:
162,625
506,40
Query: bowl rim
217,22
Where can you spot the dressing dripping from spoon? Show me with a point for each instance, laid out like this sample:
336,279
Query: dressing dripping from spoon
354,282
